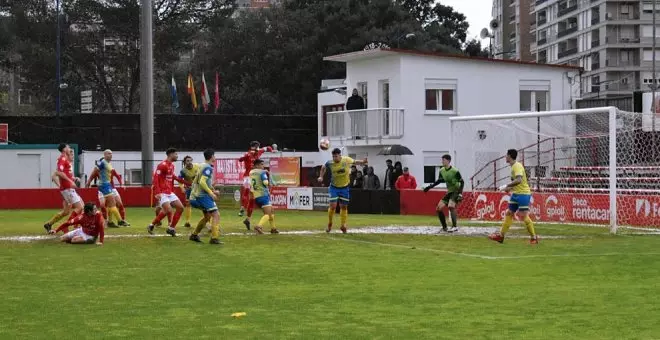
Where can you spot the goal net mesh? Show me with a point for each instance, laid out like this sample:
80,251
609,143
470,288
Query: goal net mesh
567,162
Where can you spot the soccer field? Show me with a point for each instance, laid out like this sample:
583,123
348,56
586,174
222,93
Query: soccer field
380,283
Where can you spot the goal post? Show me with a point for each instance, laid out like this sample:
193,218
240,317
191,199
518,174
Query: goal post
584,166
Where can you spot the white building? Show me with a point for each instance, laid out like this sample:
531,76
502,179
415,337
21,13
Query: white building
411,95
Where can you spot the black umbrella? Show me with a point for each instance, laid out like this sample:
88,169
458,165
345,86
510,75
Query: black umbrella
395,150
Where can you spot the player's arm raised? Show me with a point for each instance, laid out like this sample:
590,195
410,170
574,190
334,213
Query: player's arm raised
92,176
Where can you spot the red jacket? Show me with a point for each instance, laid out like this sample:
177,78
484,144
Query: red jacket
406,182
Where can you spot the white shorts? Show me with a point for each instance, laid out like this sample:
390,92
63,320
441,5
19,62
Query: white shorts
70,196
114,193
168,198
78,232
246,182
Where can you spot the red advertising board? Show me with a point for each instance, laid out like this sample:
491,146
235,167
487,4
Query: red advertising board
559,207
285,171
278,196
229,172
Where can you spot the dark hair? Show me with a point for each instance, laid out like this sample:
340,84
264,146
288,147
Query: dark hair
512,153
447,157
185,159
254,143
89,207
208,153
336,151
398,163
170,151
61,147
257,162
388,161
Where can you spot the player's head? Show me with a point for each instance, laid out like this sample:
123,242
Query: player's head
336,155
187,162
89,209
258,164
172,156
70,154
63,148
209,155
254,145
107,155
511,156
446,160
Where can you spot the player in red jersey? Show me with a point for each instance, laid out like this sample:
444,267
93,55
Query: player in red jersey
248,159
63,177
163,187
91,227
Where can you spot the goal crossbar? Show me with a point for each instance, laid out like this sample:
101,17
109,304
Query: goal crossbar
612,133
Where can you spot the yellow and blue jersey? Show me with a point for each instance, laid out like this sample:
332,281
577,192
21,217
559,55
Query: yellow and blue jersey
203,181
259,183
517,169
105,177
340,172
189,174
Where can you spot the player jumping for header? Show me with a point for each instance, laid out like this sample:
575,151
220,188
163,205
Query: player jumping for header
520,199
340,169
259,188
248,159
452,177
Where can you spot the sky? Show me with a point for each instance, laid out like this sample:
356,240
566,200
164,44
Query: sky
477,12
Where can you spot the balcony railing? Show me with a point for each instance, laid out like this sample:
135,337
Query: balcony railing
542,41
566,10
595,43
595,19
567,31
621,63
365,124
567,52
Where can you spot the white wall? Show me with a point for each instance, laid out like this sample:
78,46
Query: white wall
372,71
325,99
27,168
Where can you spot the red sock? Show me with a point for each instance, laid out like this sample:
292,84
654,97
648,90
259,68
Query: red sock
250,208
175,219
159,217
105,213
245,198
122,211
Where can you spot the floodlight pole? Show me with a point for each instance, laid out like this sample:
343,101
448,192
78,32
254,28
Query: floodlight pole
147,91
538,146
58,47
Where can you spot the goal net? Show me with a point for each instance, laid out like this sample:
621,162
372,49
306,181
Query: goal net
584,166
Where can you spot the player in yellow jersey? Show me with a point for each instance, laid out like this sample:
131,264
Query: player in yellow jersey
340,169
203,197
521,196
259,189
188,174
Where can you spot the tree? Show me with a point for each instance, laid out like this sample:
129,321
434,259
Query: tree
473,49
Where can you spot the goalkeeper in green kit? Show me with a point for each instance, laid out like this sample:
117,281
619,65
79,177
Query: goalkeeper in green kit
452,177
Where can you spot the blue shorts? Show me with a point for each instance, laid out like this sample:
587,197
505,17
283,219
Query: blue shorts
204,203
519,202
341,194
188,191
105,190
263,201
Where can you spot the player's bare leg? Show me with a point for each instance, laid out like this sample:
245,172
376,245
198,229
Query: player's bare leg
178,206
157,212
440,209
163,212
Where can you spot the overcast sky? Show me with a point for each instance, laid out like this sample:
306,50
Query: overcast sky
477,12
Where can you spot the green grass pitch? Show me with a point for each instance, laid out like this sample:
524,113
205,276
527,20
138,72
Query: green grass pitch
579,283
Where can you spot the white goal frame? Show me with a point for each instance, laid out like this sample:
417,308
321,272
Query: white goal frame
612,114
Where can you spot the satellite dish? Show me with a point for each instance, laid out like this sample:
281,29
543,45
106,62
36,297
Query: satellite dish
484,33
494,24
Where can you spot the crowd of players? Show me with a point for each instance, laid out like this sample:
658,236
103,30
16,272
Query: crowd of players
197,181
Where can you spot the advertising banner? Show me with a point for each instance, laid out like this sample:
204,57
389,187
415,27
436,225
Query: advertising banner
320,198
228,172
278,197
299,199
285,171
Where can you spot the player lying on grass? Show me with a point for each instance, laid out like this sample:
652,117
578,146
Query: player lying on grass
108,196
63,177
452,177
90,228
259,189
340,169
203,197
521,196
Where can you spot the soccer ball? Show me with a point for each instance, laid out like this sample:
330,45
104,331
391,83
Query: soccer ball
324,144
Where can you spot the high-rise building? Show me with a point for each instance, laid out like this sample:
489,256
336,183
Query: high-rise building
611,39
512,29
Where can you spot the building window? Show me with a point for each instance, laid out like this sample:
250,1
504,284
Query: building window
440,96
530,99
362,91
432,165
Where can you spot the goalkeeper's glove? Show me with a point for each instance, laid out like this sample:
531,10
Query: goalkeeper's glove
459,197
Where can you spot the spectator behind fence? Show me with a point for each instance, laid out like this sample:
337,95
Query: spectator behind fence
388,184
396,172
371,181
406,181
359,119
353,174
358,182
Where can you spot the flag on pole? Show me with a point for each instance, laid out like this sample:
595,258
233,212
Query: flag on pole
216,99
205,94
175,99
191,92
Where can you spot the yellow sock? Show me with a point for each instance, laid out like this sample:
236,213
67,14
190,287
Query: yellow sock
215,230
331,214
263,220
508,221
56,218
200,225
187,211
530,226
114,212
343,215
271,221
